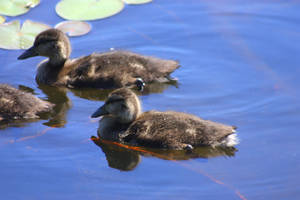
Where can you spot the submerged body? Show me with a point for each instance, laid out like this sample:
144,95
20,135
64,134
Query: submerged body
113,69
123,121
16,104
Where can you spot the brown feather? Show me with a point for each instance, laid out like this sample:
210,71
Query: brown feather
112,69
170,130
16,104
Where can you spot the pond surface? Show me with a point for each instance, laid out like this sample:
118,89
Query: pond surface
240,65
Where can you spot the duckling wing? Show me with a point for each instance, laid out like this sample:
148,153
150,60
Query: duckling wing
118,69
146,67
174,130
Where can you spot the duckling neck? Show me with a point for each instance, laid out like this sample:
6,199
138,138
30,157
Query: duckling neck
57,62
110,128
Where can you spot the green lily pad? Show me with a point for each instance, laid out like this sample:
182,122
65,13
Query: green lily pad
16,7
2,19
74,28
88,9
136,1
13,36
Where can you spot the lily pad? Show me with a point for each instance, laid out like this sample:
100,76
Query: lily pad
16,7
74,28
88,9
13,36
136,1
2,19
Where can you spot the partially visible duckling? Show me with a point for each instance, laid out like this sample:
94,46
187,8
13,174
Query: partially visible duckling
123,120
16,104
112,69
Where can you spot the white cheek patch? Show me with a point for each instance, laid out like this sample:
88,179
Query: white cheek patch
62,47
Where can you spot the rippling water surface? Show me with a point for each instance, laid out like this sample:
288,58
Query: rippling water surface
240,66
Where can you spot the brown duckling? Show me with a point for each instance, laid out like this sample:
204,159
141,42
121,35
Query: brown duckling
123,120
112,69
16,104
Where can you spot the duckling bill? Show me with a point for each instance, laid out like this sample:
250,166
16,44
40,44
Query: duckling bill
123,121
114,69
16,104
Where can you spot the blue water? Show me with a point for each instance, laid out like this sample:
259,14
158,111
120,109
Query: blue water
240,66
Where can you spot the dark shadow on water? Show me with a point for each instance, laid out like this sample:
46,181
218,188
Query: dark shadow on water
57,96
126,158
118,157
101,94
16,123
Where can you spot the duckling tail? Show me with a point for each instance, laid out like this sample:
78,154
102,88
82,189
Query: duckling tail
231,140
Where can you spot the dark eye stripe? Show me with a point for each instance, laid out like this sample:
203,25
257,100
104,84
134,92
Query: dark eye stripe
43,40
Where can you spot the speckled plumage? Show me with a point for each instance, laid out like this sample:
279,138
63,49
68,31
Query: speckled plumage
112,69
16,104
170,130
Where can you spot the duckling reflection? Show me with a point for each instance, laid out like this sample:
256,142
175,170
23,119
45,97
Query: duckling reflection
123,121
126,158
57,96
113,69
118,157
17,106
96,94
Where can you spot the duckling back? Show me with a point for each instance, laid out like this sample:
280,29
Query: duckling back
16,104
116,69
175,130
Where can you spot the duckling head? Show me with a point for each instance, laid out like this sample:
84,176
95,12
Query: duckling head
121,104
51,43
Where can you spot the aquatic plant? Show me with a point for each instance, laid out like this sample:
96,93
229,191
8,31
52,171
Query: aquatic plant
2,19
88,9
15,36
136,1
92,9
74,28
16,7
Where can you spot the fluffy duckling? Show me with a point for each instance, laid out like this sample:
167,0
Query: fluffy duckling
123,120
112,69
16,104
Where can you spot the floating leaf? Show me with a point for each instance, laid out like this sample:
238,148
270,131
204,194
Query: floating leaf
88,9
12,36
16,7
74,28
2,19
136,1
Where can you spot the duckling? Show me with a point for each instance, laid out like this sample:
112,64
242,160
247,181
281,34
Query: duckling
112,69
16,104
123,121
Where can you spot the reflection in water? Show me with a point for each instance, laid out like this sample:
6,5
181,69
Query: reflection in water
118,157
17,123
126,158
57,96
101,94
